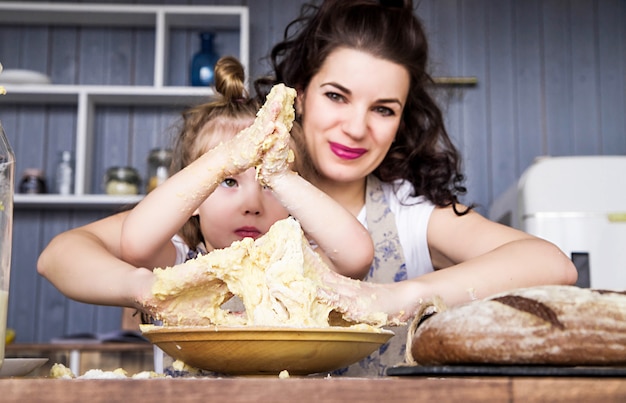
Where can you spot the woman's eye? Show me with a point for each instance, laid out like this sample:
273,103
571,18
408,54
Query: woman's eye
229,183
333,96
384,111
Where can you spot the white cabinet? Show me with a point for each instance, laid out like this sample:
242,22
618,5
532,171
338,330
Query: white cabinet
162,20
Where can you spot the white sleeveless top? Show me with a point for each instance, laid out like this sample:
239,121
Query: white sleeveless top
411,215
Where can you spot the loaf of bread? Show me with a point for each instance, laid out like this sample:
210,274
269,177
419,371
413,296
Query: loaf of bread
549,325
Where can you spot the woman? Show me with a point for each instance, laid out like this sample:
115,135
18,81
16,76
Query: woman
379,147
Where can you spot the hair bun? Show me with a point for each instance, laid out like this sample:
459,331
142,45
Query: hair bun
229,78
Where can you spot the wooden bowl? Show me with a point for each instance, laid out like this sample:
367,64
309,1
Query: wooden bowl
266,350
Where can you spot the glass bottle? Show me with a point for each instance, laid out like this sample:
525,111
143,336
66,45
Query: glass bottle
202,72
159,161
65,173
7,168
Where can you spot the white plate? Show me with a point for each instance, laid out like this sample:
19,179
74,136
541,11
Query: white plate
17,76
20,366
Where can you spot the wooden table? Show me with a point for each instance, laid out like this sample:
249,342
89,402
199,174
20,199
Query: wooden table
336,389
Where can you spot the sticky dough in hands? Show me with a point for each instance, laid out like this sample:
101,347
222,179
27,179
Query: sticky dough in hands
278,277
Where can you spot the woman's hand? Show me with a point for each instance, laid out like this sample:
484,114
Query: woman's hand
185,294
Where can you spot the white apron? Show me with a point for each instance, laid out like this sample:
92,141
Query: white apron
388,267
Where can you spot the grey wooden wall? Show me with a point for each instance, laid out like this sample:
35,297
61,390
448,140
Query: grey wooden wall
551,81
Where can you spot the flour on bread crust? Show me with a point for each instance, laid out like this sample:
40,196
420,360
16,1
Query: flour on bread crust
551,325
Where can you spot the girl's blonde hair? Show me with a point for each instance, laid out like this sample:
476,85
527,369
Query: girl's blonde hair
206,125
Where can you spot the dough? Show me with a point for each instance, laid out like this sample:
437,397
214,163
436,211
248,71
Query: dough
277,277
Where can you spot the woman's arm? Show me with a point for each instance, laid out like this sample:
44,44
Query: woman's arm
83,263
481,257
474,258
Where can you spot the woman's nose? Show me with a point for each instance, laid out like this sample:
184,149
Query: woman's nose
355,123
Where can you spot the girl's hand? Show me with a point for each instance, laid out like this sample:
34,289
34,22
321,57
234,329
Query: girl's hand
246,149
271,126
277,160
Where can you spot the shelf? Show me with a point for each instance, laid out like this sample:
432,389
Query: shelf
451,81
86,99
161,17
55,201
104,94
221,17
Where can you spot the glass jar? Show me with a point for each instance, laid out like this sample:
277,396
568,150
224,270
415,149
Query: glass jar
120,181
159,161
33,181
7,167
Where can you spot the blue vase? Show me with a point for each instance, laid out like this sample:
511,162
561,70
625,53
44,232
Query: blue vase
202,73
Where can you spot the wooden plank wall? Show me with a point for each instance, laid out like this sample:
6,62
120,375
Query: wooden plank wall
551,81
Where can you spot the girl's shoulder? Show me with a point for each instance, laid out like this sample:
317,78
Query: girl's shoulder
184,252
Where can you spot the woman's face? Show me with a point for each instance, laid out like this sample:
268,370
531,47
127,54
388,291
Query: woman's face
352,110
238,208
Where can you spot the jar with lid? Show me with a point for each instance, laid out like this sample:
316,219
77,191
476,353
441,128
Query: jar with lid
159,161
33,181
120,181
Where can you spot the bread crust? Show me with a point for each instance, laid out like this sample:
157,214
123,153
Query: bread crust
549,325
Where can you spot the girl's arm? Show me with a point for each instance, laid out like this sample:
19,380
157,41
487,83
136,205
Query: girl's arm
346,245
344,241
148,229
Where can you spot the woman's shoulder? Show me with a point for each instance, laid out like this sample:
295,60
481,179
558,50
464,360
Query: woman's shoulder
401,192
406,206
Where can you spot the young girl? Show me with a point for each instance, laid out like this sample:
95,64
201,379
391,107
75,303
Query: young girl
215,199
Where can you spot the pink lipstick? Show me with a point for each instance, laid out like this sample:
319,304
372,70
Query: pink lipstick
346,153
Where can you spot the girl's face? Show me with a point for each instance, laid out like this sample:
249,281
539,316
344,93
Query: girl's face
352,110
238,208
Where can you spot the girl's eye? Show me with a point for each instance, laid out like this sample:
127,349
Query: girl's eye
229,183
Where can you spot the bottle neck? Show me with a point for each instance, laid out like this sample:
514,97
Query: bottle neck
206,42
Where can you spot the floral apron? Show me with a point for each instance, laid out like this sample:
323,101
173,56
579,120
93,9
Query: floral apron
388,266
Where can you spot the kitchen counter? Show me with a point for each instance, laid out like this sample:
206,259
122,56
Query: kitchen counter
336,389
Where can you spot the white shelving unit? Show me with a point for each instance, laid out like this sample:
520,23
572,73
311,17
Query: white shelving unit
163,18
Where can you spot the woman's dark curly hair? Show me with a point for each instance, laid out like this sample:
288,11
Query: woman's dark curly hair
422,152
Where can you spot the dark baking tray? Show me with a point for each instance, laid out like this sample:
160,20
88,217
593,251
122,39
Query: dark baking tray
505,370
